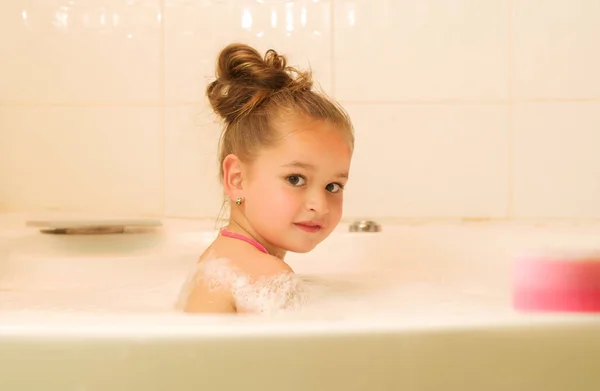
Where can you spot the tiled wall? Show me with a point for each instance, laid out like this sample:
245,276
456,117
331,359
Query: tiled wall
463,108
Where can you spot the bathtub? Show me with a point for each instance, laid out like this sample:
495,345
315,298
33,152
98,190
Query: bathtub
432,311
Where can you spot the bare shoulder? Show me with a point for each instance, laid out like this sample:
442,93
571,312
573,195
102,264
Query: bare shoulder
247,282
204,299
207,290
270,285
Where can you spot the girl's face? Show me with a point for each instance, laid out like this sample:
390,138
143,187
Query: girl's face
293,192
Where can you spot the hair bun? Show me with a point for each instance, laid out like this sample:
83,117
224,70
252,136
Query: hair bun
245,80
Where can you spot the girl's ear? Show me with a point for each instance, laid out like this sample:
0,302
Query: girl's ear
232,177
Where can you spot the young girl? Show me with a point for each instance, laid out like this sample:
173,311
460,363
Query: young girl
284,157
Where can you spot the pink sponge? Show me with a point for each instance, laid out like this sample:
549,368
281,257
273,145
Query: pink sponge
569,283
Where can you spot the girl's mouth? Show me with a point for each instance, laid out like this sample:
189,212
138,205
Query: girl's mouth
308,226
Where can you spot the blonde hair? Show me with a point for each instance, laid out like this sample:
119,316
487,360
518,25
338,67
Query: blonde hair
250,91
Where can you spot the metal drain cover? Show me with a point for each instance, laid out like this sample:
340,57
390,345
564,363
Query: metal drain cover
91,226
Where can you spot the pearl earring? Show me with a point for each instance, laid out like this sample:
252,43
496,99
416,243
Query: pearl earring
238,201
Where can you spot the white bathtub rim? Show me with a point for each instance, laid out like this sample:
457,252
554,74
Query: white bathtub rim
183,326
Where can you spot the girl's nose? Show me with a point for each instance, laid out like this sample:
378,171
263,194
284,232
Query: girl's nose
317,201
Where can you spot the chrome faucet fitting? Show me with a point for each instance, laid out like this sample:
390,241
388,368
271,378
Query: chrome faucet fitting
365,226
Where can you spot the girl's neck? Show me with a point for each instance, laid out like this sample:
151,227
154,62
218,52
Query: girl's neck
245,229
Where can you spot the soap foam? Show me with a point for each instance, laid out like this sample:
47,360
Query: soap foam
155,289
267,294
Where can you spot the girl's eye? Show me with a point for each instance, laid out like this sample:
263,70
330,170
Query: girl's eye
333,187
296,180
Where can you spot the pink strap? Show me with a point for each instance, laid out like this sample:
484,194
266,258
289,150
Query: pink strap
229,234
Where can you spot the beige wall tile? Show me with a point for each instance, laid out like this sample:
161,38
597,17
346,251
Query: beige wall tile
103,52
421,50
81,159
428,161
191,168
556,53
557,165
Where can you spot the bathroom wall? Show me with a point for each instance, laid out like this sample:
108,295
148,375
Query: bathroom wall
462,108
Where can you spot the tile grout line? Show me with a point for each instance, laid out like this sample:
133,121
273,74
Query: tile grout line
331,48
510,114
399,102
163,101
